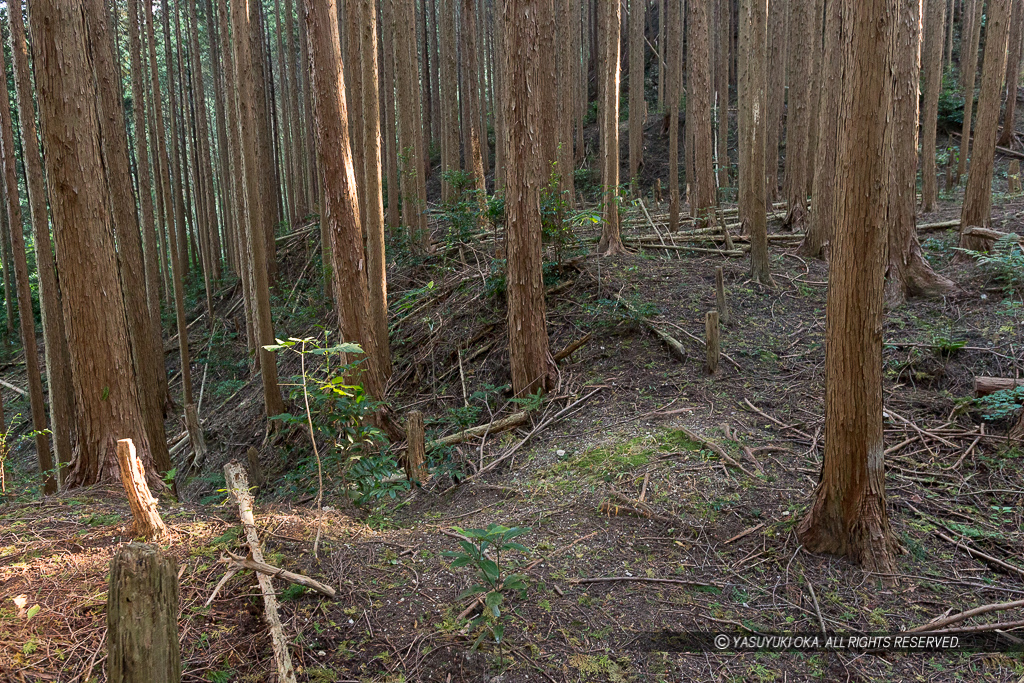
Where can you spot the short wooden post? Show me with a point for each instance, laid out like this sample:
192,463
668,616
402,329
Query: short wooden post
950,180
657,190
133,476
142,617
415,451
1013,177
722,302
711,329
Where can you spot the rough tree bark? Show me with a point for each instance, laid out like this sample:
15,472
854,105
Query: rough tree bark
448,90
373,199
414,189
931,58
723,11
703,190
58,360
801,24
567,60
342,209
909,274
753,28
532,366
637,105
142,616
1012,74
471,94
611,241
848,516
243,19
673,16
823,208
777,34
145,342
106,393
26,318
977,208
968,72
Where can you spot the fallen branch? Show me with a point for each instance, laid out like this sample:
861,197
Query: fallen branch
990,234
490,428
718,450
13,388
977,611
276,573
645,579
238,485
674,345
512,451
568,350
977,553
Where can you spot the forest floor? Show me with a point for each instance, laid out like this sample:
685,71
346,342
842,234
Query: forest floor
628,483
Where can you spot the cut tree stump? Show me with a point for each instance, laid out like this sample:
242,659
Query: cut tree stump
712,340
1013,177
195,436
238,485
142,617
133,476
415,452
983,386
252,457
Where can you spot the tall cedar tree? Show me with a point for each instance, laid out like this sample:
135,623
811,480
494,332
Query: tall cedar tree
723,17
977,208
146,344
410,130
107,400
637,105
471,95
1012,74
58,360
823,208
449,104
753,27
968,73
567,28
25,316
909,274
848,516
373,216
244,23
341,212
611,240
673,16
931,58
777,35
801,28
532,366
698,80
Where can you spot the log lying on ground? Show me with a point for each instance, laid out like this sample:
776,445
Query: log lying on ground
142,616
142,502
983,386
238,485
944,225
501,425
671,342
277,573
990,234
568,350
